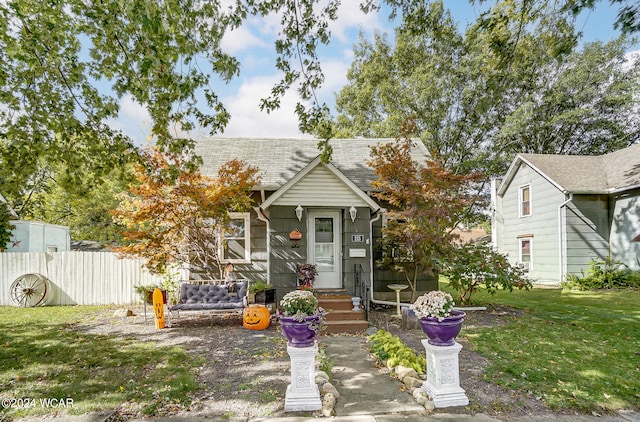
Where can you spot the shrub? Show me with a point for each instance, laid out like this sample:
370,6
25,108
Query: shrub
473,266
605,274
388,347
633,279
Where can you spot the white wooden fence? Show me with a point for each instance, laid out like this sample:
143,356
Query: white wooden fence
82,278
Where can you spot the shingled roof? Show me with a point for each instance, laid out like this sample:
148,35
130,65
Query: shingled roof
281,159
602,174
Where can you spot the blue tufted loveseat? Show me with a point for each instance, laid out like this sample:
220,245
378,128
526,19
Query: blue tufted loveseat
230,296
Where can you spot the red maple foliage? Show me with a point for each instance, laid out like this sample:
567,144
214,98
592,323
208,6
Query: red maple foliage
176,215
426,202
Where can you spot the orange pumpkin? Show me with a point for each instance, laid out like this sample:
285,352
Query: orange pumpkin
256,317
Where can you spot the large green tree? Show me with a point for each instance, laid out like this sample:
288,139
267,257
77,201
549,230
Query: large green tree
83,204
587,104
480,96
167,56
65,65
5,226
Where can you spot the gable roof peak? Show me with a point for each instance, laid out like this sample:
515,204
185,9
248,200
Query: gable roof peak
307,170
587,174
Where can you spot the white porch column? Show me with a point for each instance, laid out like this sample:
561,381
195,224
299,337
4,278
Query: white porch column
302,394
443,375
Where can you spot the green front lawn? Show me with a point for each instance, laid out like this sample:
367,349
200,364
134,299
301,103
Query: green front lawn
43,360
575,350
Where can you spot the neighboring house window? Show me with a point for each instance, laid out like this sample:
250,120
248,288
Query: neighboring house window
525,201
526,253
236,246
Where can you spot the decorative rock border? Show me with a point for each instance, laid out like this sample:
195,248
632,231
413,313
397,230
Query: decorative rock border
408,376
413,383
329,395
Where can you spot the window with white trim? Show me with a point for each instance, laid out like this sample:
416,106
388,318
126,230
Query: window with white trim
236,242
525,256
524,200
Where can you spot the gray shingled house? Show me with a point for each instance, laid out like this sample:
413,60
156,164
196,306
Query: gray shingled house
553,214
331,205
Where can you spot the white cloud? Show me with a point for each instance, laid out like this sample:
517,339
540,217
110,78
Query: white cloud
241,39
631,58
335,71
351,17
262,31
133,120
247,120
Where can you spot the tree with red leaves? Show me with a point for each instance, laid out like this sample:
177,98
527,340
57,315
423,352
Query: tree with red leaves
176,215
426,203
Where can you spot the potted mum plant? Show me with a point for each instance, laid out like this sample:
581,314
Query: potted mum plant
300,318
440,322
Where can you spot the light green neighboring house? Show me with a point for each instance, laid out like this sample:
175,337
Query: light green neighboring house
553,214
331,205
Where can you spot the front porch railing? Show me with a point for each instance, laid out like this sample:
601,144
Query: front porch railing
362,288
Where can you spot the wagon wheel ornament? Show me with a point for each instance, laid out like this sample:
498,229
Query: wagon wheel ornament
29,290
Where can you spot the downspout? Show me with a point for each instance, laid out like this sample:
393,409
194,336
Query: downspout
379,214
560,237
494,210
262,217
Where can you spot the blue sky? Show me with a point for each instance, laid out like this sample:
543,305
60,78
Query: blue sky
253,45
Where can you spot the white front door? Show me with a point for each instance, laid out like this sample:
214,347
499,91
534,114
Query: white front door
324,248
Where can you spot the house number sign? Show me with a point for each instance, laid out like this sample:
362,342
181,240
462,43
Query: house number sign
357,238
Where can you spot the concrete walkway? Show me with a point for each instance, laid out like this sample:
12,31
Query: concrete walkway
364,389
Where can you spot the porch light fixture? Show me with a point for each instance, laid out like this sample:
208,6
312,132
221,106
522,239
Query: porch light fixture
299,210
353,212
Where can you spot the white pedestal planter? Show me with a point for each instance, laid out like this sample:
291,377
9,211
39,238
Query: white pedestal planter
302,394
443,375
356,303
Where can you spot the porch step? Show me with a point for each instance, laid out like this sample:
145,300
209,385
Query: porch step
331,292
344,315
340,317
334,303
354,326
